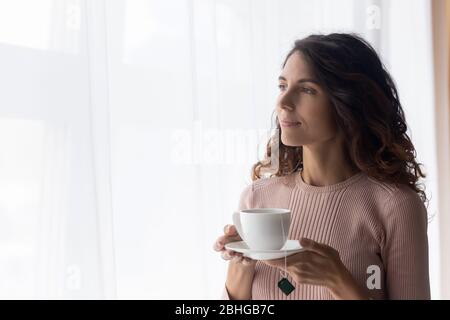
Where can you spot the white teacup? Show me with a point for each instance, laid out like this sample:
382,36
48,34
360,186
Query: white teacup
264,228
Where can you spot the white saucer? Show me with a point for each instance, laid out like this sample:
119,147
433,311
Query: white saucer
289,248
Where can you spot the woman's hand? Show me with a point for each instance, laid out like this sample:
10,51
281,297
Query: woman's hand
231,235
320,265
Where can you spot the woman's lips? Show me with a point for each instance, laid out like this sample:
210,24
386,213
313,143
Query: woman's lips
284,123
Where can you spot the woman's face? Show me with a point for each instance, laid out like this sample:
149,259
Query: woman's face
303,109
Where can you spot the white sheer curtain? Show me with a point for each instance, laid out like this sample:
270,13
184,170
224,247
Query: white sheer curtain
127,131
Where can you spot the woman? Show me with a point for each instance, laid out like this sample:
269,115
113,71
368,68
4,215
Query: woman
348,173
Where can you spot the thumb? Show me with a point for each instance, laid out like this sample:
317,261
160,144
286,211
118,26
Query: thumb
317,247
305,242
230,229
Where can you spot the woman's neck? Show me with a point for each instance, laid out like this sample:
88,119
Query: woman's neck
325,164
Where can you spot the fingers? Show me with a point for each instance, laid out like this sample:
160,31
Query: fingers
317,247
230,235
237,257
228,254
222,241
230,230
218,245
300,258
247,261
225,255
225,239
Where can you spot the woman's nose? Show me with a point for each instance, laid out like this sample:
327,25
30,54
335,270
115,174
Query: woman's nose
286,102
287,106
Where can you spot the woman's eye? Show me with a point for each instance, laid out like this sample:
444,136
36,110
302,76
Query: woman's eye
308,90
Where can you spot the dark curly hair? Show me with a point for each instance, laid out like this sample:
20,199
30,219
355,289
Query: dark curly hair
367,110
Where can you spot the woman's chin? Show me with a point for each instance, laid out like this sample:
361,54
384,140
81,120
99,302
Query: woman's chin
292,142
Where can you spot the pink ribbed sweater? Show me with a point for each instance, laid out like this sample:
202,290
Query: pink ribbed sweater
367,221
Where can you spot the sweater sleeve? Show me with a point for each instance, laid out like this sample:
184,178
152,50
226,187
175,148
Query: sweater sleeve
245,202
405,248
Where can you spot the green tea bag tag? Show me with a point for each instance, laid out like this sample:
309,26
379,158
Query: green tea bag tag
285,286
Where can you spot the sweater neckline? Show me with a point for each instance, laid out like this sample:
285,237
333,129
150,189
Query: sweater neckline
332,187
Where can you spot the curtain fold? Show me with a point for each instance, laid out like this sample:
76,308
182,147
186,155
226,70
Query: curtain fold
441,33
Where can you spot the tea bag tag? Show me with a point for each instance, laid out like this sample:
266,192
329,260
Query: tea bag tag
286,286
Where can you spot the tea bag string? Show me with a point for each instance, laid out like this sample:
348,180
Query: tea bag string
282,228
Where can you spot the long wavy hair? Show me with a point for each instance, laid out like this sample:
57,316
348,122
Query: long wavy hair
367,110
